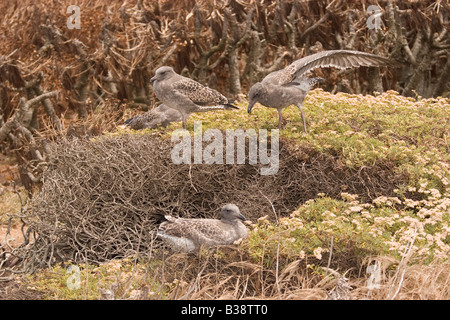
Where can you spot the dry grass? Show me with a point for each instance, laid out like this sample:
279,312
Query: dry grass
416,282
229,273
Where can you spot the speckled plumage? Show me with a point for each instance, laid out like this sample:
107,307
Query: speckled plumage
186,95
289,86
199,94
187,235
341,59
159,116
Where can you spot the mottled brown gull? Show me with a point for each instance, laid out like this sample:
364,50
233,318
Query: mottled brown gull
159,116
289,86
186,95
187,235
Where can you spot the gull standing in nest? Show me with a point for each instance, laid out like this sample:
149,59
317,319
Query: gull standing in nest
186,95
187,235
289,86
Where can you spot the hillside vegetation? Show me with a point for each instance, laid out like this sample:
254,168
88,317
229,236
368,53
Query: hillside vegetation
300,249
359,205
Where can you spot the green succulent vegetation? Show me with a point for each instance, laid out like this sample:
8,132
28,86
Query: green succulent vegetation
117,278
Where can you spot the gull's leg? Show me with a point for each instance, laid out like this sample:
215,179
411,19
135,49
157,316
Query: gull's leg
280,118
184,117
300,106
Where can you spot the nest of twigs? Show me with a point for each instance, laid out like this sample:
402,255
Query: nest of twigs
101,198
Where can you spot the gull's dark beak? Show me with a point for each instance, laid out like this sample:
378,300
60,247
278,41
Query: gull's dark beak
240,216
152,80
250,106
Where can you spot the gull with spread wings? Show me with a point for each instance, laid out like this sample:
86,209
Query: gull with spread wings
289,86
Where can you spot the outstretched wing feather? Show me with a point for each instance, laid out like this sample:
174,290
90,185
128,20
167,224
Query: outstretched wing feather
341,59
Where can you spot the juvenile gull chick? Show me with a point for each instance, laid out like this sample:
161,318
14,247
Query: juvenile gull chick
187,235
289,86
159,116
186,95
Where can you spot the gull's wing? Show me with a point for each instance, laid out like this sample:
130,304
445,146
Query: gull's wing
341,59
198,93
207,231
